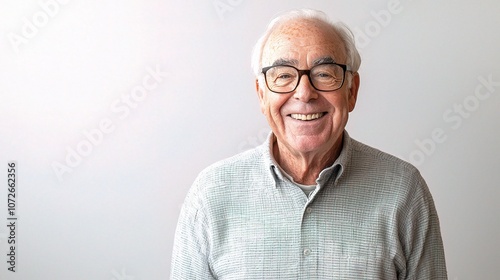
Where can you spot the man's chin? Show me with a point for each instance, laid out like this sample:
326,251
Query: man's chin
307,144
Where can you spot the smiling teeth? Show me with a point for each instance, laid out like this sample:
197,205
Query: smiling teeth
306,117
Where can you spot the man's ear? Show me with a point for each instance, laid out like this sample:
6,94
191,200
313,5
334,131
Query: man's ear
260,94
353,91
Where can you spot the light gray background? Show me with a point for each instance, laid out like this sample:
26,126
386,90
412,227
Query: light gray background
114,215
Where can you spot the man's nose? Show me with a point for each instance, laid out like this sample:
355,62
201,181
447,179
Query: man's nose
305,91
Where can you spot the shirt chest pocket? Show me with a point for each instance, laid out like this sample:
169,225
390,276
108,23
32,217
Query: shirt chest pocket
357,266
254,249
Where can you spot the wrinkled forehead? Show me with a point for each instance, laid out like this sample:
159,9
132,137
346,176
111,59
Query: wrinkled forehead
303,41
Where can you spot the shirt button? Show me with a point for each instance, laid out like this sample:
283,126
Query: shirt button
308,210
307,252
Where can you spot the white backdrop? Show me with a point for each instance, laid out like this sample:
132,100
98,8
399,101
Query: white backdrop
111,108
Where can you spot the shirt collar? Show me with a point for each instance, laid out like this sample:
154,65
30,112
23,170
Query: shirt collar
334,171
269,160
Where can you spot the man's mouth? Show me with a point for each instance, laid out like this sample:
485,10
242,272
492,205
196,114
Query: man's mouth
308,117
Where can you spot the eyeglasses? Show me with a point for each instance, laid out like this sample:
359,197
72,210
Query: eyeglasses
323,77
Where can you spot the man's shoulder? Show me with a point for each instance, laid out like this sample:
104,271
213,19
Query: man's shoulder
233,169
237,176
243,160
365,155
377,170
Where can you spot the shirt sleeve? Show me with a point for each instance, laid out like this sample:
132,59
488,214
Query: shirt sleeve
191,243
422,242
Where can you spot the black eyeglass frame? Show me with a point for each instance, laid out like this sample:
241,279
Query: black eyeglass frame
308,73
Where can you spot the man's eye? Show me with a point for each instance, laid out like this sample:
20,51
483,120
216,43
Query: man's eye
324,75
284,76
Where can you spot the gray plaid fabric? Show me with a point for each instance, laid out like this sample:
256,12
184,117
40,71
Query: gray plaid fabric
370,217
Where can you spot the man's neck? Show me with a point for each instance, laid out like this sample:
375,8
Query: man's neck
305,168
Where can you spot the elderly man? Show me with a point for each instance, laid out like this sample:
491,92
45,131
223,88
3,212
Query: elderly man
311,202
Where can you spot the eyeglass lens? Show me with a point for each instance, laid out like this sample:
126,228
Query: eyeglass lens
324,77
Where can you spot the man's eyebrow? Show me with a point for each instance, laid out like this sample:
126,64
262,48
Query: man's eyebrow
284,61
323,60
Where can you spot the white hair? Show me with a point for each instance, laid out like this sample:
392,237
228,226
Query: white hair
353,58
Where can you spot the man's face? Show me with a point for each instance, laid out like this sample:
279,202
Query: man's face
303,44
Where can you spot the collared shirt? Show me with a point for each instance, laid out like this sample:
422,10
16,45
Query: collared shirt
371,216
